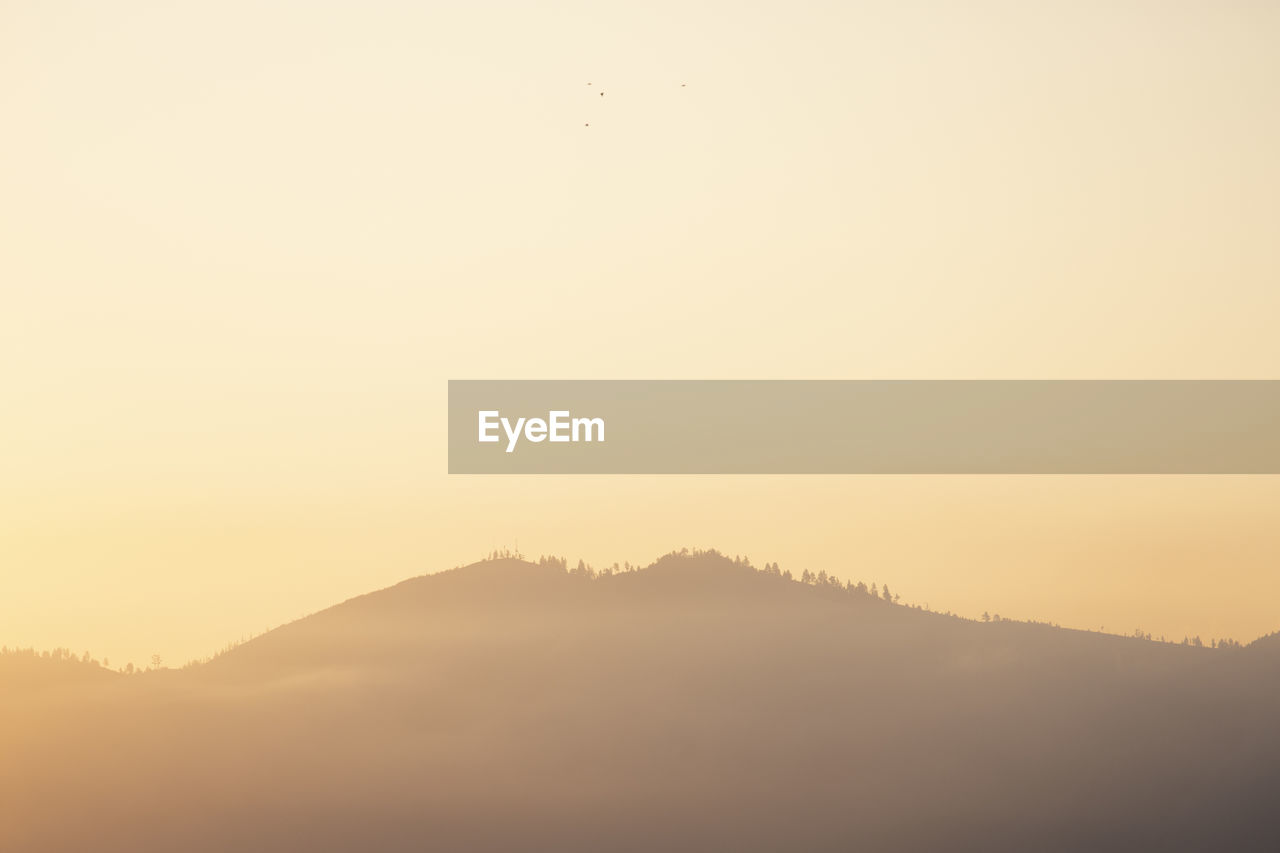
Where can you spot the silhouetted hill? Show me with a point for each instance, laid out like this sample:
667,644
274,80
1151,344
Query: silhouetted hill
1270,644
26,669
498,596
698,704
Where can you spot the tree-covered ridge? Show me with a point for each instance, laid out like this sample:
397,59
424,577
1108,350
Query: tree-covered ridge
54,666
29,664
820,580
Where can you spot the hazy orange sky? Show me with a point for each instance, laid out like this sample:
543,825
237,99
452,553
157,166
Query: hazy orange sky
245,245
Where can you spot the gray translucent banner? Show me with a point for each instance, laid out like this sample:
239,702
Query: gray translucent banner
863,427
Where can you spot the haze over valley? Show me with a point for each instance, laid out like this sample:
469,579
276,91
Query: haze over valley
695,704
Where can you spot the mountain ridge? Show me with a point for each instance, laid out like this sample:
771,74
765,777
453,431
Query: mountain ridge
697,704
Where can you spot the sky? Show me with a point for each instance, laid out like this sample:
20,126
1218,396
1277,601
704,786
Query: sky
245,245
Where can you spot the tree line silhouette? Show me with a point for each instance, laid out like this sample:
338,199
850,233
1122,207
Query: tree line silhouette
64,657
821,580
824,581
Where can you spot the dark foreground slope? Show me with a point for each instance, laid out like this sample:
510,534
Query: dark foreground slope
695,705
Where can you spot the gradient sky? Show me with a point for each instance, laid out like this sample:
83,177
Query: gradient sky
246,244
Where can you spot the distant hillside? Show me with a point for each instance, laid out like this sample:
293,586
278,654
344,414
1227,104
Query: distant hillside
505,594
697,704
27,669
1270,643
